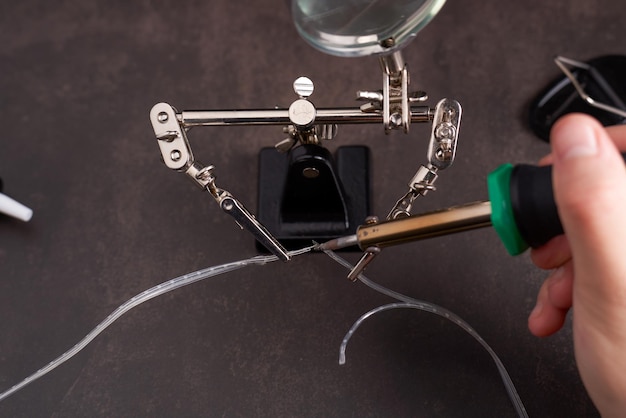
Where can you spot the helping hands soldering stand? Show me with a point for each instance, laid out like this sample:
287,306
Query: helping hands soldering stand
304,195
310,170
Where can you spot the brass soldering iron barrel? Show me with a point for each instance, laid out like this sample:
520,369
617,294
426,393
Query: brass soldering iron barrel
429,225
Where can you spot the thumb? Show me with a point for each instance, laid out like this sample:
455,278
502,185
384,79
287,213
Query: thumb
590,191
589,177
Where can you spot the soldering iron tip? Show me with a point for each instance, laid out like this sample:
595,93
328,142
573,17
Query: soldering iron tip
338,243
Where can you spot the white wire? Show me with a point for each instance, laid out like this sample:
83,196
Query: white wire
409,302
193,277
142,297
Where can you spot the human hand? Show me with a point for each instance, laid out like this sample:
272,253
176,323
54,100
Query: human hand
589,261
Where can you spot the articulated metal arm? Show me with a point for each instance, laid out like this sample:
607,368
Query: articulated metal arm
441,154
177,155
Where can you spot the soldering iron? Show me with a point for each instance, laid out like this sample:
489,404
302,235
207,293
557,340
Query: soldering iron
521,208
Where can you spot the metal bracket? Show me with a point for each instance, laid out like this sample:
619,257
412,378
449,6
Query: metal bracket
394,100
444,133
171,137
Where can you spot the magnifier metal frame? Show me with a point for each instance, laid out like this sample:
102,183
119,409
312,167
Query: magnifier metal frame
359,28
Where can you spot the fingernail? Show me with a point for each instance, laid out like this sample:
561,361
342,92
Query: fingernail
575,138
537,310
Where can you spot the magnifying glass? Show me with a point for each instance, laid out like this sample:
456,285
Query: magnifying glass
355,28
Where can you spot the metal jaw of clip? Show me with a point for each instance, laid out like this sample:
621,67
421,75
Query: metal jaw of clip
563,64
307,127
595,87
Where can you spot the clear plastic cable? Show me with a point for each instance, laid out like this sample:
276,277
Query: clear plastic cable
142,297
411,303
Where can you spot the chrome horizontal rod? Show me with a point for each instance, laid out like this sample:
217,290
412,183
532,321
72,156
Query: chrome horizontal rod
191,118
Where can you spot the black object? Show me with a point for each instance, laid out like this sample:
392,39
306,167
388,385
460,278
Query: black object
532,201
533,204
306,195
605,82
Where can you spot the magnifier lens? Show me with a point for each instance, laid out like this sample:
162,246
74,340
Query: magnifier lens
354,28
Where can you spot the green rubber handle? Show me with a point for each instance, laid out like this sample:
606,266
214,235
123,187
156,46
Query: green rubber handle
502,214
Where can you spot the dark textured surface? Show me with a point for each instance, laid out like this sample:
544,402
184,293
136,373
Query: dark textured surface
77,79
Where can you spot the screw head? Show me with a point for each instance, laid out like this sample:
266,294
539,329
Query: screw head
302,113
445,130
388,43
310,172
303,86
162,117
228,205
395,120
175,155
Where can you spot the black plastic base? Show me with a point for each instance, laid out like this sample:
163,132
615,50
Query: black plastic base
305,196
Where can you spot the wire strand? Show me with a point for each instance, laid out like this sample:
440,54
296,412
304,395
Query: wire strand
412,303
142,297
